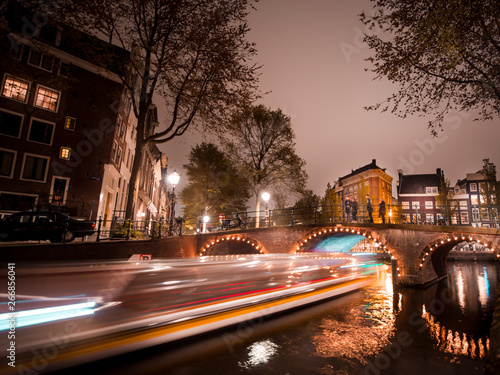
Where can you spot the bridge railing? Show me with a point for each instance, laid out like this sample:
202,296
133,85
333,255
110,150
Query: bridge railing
118,228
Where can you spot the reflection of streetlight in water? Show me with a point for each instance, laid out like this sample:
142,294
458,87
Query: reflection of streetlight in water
455,342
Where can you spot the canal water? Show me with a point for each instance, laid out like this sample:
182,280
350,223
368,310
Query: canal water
377,330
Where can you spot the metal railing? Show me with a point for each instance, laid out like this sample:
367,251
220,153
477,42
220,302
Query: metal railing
122,229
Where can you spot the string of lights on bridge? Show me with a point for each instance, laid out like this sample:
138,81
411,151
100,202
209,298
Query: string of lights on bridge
311,236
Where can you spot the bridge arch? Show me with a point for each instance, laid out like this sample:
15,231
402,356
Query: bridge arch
317,235
232,244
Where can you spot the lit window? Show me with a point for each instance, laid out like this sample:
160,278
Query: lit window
65,153
35,167
473,187
47,99
70,123
429,205
15,88
431,190
405,205
415,205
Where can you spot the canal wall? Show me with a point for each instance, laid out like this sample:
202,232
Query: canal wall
172,247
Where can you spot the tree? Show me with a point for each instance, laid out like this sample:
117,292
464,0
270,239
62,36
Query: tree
191,53
261,142
489,191
444,54
306,207
214,185
445,202
331,205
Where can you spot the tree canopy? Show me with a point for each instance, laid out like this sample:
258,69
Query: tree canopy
261,142
191,53
444,54
214,185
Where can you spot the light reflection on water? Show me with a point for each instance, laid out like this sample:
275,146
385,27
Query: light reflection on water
365,329
442,329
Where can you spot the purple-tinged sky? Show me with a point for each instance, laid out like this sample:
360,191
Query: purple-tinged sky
314,66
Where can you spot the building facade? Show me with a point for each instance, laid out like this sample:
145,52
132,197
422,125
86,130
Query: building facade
475,199
369,180
67,129
417,196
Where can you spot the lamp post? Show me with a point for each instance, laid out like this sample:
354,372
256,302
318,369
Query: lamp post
173,179
266,196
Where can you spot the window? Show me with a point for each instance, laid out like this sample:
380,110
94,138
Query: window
464,217
415,205
41,131
47,99
17,202
41,60
429,205
118,124
431,190
474,199
454,218
64,69
429,218
405,205
118,156
35,167
14,88
473,187
113,152
463,205
70,123
65,153
7,162
10,123
457,190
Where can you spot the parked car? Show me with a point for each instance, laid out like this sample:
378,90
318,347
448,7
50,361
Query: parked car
41,225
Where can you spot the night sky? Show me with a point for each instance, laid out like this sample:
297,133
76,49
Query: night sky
314,65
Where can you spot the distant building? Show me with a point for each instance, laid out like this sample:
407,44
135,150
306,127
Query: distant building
417,197
369,179
476,201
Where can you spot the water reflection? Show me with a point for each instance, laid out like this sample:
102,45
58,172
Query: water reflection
457,343
364,330
259,353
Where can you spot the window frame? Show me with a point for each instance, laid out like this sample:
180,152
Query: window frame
44,121
13,167
40,65
63,148
4,81
26,154
66,121
20,126
38,87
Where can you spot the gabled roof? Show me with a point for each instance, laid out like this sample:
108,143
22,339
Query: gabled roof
367,167
416,183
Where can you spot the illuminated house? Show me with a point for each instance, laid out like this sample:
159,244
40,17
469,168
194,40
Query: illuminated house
66,126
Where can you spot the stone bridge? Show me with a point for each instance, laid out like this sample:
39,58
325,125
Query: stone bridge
418,252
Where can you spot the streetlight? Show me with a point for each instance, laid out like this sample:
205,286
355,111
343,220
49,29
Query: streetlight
266,196
173,179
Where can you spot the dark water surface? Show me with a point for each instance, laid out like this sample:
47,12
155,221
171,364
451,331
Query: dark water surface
377,330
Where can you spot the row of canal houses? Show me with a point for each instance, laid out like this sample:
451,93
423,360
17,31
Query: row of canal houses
421,199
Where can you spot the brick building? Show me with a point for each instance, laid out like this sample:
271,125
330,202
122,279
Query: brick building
369,179
66,126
